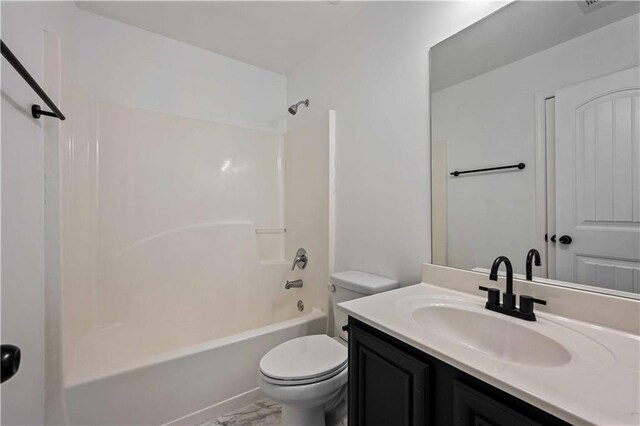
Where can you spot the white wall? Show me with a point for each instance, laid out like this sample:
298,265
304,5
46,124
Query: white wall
26,278
375,75
125,65
489,120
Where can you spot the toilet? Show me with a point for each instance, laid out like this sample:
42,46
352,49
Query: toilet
308,374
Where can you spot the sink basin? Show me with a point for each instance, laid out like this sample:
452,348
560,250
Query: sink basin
497,337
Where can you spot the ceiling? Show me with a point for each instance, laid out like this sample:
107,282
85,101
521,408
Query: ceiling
272,35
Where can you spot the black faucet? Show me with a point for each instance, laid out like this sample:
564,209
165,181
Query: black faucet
533,253
508,306
508,298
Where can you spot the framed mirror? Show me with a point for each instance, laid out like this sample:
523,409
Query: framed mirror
535,143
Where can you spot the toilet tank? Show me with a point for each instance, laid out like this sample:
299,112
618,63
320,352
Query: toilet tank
348,285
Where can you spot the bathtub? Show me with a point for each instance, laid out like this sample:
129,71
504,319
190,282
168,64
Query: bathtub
150,385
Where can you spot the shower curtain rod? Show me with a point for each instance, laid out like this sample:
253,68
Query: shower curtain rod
36,112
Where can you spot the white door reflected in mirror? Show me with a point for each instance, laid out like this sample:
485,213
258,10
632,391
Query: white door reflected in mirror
598,181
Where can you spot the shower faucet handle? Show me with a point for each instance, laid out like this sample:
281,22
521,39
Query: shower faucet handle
300,260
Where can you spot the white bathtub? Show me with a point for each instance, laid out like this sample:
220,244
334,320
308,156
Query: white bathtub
188,385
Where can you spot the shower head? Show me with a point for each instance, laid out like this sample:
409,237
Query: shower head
293,109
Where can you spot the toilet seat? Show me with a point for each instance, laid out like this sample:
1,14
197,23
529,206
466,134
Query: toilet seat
296,382
304,360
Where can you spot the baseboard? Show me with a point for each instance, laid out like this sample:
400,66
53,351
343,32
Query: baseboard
216,410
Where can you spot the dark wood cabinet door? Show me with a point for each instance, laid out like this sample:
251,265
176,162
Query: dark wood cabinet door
474,408
386,385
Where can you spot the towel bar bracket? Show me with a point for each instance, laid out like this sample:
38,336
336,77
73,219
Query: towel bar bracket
36,112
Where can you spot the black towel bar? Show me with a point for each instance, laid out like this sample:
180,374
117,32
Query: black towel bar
36,112
515,166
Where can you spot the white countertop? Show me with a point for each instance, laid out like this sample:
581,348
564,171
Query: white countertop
582,391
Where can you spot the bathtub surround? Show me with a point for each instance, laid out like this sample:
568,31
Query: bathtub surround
144,188
191,255
162,226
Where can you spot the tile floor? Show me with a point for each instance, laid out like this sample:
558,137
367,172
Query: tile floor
267,413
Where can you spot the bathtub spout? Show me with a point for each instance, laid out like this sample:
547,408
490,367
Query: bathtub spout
293,284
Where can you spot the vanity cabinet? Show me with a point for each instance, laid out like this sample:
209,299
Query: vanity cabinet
392,383
387,386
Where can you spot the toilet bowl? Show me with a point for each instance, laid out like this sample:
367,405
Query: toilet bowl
305,374
308,375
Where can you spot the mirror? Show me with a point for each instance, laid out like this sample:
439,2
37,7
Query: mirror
535,134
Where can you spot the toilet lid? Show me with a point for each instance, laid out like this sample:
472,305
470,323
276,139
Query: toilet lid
304,358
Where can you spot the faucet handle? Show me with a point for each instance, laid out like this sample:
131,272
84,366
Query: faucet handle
300,260
526,304
493,295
